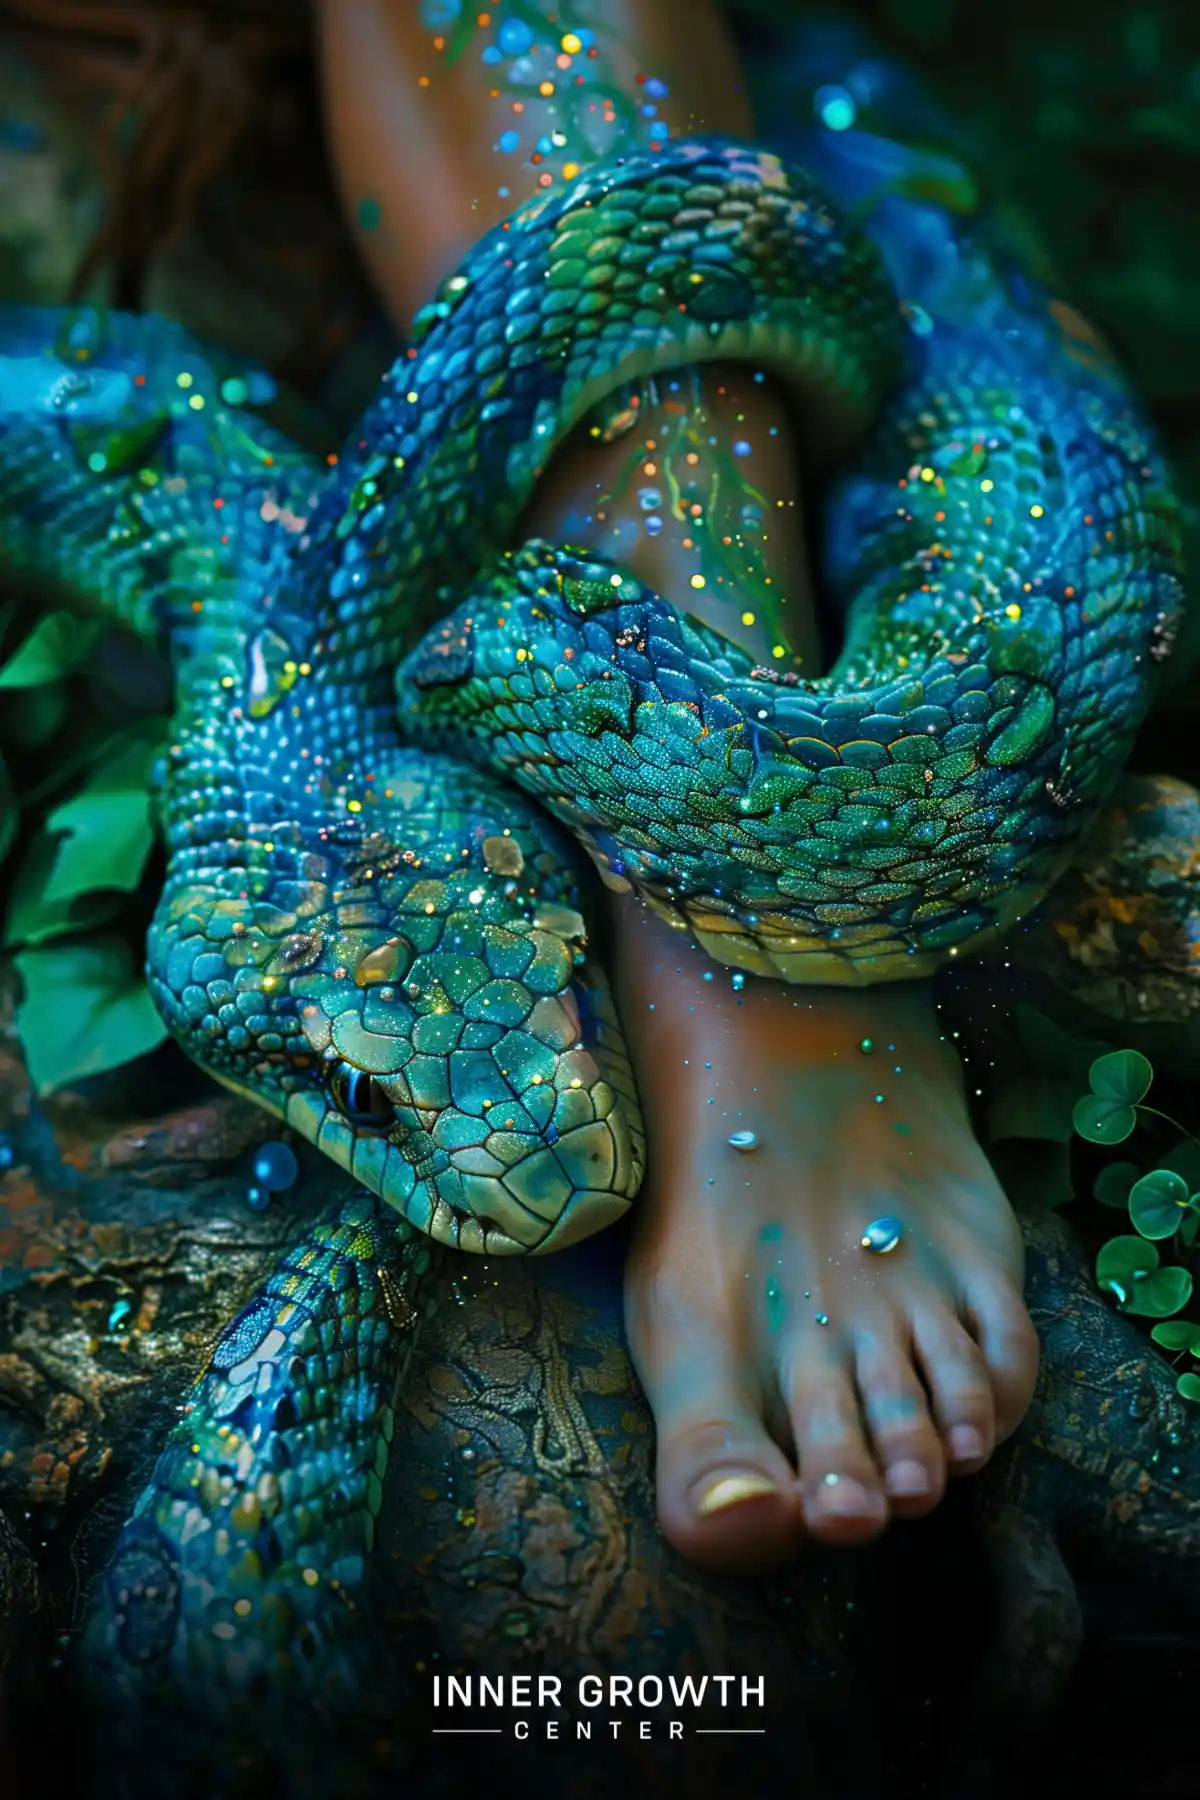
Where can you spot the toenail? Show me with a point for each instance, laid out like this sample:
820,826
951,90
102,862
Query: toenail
965,1444
731,1489
906,1477
842,1498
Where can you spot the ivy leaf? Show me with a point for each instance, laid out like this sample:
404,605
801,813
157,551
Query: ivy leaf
1112,1184
106,829
1157,1203
1180,1334
1188,1387
1160,1294
1122,1075
1103,1121
86,1009
56,645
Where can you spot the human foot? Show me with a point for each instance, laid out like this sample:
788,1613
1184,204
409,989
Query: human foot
767,1338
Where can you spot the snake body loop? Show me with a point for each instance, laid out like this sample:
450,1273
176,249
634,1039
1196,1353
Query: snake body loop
386,946
1002,551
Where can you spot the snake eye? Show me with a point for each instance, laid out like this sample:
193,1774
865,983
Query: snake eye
360,1099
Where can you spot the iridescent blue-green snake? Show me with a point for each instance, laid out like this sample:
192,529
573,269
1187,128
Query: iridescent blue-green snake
371,923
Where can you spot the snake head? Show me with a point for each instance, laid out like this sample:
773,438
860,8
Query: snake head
408,987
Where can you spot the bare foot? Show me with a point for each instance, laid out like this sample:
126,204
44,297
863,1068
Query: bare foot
767,1338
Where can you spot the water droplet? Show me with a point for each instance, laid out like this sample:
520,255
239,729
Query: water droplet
275,1167
515,37
117,1317
835,108
258,1198
653,525
867,1045
882,1235
739,981
742,448
822,1318
744,1140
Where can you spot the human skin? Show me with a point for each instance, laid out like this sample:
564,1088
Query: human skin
798,1384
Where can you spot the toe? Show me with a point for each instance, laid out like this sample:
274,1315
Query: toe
907,1446
843,1499
726,1492
1000,1322
960,1388
726,1495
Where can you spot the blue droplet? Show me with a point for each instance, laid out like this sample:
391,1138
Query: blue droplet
653,526
120,1312
657,89
275,1167
739,981
509,140
515,37
742,448
7,1154
258,1199
836,108
649,498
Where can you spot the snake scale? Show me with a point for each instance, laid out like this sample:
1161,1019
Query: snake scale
372,922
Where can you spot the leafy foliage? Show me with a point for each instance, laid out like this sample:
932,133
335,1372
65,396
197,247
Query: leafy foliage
1163,1205
86,1009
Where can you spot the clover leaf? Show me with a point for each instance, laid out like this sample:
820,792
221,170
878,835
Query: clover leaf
1158,1202
1103,1121
1178,1334
1113,1183
1122,1075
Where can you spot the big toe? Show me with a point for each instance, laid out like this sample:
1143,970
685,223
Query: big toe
727,1496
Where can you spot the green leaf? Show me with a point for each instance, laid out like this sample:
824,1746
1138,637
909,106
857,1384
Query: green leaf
86,1009
1185,1160
106,829
56,645
1158,1202
33,715
1189,1228
1044,1045
1122,1262
1032,1105
1112,1184
1180,1334
1103,1121
1159,1295
1188,1387
31,919
1123,1075
1035,1174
